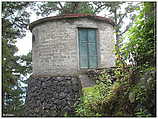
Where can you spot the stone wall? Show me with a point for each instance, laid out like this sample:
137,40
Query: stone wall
52,96
55,45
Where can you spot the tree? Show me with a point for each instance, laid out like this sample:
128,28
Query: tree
76,8
14,24
142,38
47,8
118,12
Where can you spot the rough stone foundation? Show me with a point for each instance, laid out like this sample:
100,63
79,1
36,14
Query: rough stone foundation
52,96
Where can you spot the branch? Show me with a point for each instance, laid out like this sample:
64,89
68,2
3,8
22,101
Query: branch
60,5
124,30
127,27
121,18
99,7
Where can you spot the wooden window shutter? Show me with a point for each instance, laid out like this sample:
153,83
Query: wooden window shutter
87,48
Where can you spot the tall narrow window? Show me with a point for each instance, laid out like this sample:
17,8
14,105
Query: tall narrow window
87,48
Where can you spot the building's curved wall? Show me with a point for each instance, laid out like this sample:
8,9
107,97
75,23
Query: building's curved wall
55,47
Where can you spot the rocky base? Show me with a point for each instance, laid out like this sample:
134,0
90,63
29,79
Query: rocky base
52,96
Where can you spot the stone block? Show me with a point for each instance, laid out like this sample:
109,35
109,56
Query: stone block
43,102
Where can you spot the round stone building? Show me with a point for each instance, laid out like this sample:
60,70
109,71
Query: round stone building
63,47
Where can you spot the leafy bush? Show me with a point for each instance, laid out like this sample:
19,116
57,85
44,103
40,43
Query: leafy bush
90,95
141,46
119,98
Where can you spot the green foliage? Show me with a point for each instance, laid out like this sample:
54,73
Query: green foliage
145,91
92,94
46,8
77,8
141,48
83,109
115,102
119,12
14,23
15,19
121,98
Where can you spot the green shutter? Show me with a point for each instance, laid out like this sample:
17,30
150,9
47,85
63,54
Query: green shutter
87,48
91,35
83,35
92,49
92,62
83,55
83,62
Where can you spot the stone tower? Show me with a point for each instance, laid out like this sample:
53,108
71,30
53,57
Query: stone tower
64,48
